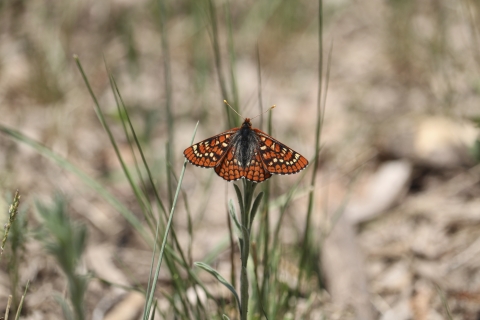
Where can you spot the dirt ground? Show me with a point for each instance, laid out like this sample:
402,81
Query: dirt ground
396,207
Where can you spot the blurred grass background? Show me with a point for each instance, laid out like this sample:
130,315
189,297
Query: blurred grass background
394,63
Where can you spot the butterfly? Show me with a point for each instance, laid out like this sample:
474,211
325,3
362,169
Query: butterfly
245,152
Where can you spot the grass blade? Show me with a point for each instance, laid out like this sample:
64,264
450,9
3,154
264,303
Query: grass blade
221,279
148,303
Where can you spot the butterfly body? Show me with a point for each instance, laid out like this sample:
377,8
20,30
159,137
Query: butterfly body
245,152
244,143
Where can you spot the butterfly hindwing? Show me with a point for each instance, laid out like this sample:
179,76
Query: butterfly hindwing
277,157
256,171
228,168
209,152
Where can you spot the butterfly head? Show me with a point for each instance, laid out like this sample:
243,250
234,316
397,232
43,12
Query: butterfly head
247,123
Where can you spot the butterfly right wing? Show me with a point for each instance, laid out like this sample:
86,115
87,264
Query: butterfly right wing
277,157
209,152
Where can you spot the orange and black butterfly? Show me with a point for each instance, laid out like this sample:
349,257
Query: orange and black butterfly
245,152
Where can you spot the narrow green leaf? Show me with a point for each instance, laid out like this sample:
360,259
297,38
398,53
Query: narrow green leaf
255,206
246,239
222,280
240,201
233,215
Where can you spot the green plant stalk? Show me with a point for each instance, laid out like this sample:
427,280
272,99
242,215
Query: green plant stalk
243,275
247,214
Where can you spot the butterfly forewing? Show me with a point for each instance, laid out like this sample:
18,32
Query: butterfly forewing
209,152
277,157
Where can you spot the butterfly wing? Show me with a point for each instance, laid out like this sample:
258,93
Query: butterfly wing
209,152
277,157
256,170
228,168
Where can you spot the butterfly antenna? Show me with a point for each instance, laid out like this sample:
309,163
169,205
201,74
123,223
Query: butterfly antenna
226,102
272,107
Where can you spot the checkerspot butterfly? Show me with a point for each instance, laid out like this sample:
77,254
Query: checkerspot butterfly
245,152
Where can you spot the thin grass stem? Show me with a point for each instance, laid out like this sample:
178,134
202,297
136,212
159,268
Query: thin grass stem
266,232
168,90
231,51
12,215
20,305
7,310
148,304
306,239
232,119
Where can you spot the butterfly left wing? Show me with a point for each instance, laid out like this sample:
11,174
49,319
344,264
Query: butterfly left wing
228,168
209,152
277,157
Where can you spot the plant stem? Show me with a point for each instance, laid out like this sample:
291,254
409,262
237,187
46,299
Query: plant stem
245,203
